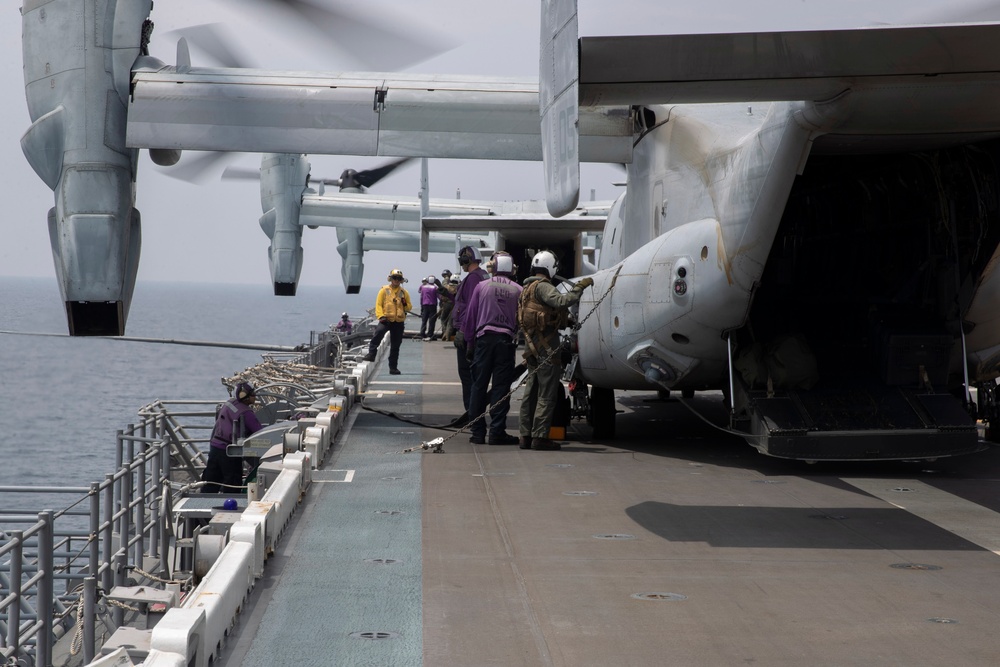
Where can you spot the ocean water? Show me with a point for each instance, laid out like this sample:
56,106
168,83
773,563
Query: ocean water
62,399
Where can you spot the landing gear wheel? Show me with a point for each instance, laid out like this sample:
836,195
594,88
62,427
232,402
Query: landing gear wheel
602,413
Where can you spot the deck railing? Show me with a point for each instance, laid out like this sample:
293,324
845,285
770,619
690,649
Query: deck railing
57,567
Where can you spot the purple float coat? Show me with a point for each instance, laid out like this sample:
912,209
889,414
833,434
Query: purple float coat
465,291
428,294
493,307
229,413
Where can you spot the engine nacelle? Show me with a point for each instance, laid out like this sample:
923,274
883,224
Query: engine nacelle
283,181
78,56
352,255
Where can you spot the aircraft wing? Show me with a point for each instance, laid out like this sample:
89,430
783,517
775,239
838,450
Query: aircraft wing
888,88
771,66
377,212
401,115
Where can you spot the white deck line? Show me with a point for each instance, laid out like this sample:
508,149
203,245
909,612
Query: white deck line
968,520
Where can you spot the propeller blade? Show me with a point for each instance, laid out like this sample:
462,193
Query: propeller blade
233,173
193,170
374,45
369,177
211,39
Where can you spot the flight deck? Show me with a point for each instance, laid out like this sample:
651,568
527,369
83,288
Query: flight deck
673,544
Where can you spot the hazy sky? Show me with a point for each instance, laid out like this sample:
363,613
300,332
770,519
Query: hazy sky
185,226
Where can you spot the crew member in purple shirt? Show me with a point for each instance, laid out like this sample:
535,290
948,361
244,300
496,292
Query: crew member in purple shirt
490,326
470,259
428,307
234,420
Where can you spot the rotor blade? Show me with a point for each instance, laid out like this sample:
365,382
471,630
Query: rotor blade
211,39
374,45
193,170
370,177
233,173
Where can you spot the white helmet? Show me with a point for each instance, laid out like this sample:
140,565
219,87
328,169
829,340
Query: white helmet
431,279
544,261
503,263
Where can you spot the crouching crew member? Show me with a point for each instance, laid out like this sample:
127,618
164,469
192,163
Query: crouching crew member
542,311
490,327
391,306
235,419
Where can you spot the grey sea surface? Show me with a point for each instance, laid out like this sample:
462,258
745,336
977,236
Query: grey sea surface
62,399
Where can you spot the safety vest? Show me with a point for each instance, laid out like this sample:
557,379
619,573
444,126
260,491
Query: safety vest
392,303
535,317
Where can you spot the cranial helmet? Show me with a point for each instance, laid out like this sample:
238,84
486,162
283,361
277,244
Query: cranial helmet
344,316
469,254
455,281
395,273
503,263
431,279
544,261
244,391
446,273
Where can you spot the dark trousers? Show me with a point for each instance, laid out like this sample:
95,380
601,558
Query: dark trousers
428,314
222,469
464,374
395,331
493,360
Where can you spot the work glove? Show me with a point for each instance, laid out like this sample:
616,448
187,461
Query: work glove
459,339
470,352
584,283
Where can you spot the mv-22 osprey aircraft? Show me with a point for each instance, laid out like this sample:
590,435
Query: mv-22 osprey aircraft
810,222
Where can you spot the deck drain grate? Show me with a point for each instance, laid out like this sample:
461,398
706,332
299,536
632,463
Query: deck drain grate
942,620
903,489
391,479
382,561
375,635
666,597
768,481
389,512
835,517
579,493
915,566
558,465
614,536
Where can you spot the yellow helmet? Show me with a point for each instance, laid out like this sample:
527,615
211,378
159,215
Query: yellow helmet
395,273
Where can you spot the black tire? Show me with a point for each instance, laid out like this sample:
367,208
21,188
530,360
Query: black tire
687,393
602,413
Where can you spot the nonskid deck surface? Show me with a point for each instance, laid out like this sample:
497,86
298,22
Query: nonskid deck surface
674,544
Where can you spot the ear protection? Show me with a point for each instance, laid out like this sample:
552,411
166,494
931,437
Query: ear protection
243,391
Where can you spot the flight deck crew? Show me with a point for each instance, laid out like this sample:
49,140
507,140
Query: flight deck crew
344,326
491,345
428,307
542,311
470,259
391,306
235,419
446,301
